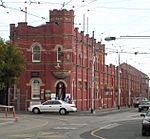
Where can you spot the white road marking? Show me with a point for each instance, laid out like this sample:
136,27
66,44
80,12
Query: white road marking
76,124
93,133
70,126
66,128
110,126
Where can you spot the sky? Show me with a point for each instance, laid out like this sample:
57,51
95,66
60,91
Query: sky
107,18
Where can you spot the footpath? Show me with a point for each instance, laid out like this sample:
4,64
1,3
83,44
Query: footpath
101,112
105,111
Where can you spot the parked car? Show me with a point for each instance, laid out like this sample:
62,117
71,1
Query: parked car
146,123
144,105
53,106
138,100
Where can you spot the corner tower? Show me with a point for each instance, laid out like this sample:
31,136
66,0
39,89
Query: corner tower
63,19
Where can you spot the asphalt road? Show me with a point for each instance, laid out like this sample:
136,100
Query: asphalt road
120,130
121,125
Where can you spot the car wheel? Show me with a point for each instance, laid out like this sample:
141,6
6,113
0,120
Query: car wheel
62,111
36,110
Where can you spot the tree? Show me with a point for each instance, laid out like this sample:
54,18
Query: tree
12,64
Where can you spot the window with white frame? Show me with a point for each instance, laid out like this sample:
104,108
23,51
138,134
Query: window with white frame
36,53
35,93
59,54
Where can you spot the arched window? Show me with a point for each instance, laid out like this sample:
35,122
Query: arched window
36,53
35,92
59,54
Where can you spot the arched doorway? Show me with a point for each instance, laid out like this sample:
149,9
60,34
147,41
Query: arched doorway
60,91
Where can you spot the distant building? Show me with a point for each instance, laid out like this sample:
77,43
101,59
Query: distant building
134,81
59,64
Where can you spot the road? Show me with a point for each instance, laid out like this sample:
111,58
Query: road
123,125
119,130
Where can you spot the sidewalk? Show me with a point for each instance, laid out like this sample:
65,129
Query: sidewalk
101,112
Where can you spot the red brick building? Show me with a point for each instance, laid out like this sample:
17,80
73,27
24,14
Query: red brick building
59,64
134,83
58,61
109,86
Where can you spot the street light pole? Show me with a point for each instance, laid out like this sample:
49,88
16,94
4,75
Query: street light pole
129,101
119,90
119,70
93,77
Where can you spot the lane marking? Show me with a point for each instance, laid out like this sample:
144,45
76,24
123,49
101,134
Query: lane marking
49,134
63,127
76,124
93,133
112,126
70,126
44,123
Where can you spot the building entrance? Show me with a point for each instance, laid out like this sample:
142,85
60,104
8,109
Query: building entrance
60,91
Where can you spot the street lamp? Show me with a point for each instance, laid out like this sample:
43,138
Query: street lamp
119,70
110,38
119,90
93,77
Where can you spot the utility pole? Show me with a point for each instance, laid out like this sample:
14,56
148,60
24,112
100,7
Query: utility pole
25,14
84,22
93,77
119,90
87,28
119,70
129,101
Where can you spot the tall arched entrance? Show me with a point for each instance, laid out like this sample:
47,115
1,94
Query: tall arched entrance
60,91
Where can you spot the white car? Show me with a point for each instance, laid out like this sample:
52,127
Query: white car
53,106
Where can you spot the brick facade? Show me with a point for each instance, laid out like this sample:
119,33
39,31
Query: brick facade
58,63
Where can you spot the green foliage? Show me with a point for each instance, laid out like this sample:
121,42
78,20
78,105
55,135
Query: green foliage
12,63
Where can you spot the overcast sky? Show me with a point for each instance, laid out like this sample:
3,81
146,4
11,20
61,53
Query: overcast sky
105,17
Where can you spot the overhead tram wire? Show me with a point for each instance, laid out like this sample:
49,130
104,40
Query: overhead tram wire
68,2
86,4
32,2
21,10
134,37
29,2
2,4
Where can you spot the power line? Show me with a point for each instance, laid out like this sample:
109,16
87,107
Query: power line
122,8
135,36
2,4
21,10
33,2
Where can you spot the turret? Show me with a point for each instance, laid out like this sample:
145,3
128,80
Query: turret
63,19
